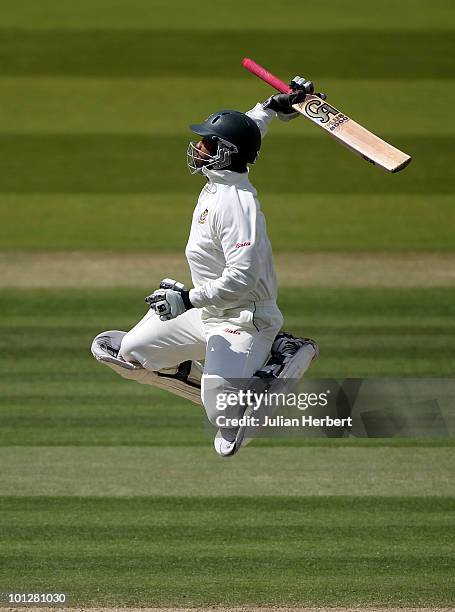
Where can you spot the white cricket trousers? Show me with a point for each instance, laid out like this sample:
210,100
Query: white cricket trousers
233,345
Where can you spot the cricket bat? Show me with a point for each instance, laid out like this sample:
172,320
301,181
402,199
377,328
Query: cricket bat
341,127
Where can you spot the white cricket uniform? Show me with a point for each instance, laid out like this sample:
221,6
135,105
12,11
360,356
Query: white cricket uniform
235,316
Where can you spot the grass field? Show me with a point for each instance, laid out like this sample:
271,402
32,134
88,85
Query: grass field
110,491
167,549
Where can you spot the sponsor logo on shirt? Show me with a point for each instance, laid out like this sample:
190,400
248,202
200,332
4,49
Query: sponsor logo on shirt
203,216
239,245
231,331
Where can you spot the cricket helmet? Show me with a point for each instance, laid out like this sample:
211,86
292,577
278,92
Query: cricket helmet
238,139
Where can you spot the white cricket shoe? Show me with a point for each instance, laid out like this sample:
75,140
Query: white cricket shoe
223,447
227,449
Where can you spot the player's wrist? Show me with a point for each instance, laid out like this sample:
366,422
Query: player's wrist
270,105
186,299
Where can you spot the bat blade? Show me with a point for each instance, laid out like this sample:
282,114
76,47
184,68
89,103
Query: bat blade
352,135
341,127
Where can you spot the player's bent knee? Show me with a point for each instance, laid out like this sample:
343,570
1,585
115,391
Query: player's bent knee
127,348
131,349
153,358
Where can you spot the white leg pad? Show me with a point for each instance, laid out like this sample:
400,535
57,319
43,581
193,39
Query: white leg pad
300,362
281,377
183,380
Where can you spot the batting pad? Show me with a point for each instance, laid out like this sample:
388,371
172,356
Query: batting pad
183,380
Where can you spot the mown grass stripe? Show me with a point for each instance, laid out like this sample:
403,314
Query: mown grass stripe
325,550
75,307
122,163
147,223
181,15
123,52
83,269
128,470
130,105
155,508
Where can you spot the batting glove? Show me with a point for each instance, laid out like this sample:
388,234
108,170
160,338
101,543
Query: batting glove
282,103
299,83
168,303
170,300
170,283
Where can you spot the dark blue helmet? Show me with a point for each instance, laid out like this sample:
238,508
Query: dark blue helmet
238,138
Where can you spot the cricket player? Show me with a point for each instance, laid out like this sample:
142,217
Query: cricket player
229,318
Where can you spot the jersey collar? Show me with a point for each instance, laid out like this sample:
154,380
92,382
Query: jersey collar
228,177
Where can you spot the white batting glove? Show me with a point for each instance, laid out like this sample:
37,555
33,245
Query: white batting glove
170,283
168,303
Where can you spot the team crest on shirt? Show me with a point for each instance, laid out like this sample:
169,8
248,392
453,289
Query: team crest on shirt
203,216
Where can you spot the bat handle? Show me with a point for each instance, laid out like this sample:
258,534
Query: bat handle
265,75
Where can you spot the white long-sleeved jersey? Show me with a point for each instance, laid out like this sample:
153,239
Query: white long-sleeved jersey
228,250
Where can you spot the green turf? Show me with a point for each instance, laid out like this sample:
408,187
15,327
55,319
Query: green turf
200,551
260,470
65,105
76,124
100,52
293,15
122,163
296,222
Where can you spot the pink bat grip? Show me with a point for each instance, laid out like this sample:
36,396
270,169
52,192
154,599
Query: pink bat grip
265,75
